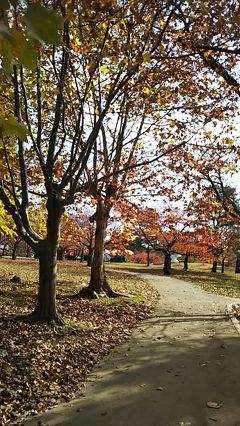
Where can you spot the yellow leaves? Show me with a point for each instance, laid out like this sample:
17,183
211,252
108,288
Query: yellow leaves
147,91
91,67
104,70
76,45
114,59
146,57
109,86
171,123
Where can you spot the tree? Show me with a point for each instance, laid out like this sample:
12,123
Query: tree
95,61
77,235
166,232
87,57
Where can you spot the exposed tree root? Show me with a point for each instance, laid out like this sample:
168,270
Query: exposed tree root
88,293
35,318
111,293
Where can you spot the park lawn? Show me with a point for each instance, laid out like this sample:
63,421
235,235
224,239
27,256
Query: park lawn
227,284
41,366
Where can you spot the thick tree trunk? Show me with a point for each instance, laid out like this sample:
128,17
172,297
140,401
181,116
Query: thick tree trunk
97,268
46,309
98,281
14,251
107,289
214,266
167,263
237,266
46,251
148,255
15,246
185,266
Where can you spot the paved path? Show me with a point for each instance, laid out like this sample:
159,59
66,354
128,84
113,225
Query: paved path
173,365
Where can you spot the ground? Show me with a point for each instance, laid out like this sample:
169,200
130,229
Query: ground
41,366
179,368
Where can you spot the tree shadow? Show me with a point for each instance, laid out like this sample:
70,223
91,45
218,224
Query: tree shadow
165,375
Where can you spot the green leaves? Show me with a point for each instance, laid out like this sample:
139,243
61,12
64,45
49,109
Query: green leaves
43,24
12,127
39,26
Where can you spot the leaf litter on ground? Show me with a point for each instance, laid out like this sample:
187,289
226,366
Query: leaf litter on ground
41,366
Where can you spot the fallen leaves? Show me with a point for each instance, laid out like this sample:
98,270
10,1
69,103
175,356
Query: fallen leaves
41,366
236,311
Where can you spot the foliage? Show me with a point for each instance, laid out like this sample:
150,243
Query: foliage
7,226
141,257
58,360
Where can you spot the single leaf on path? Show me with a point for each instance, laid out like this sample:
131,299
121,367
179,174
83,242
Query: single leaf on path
211,404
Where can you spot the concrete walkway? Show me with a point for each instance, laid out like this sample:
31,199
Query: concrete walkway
181,367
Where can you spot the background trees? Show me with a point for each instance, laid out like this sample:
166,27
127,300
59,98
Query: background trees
59,106
95,96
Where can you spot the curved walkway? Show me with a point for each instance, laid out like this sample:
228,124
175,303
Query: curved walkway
180,368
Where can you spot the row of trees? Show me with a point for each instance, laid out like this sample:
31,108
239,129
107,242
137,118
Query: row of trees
199,229
97,97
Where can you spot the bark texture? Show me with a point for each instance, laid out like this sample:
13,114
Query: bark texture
167,263
214,266
223,266
185,267
97,269
47,250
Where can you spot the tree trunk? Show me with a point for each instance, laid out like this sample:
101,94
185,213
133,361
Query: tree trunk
28,250
97,268
214,266
14,252
98,280
90,256
237,266
60,253
148,255
15,246
46,309
185,267
167,263
46,251
223,265
82,256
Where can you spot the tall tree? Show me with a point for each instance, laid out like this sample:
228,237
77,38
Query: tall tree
84,64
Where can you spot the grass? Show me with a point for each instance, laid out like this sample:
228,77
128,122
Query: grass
227,284
57,360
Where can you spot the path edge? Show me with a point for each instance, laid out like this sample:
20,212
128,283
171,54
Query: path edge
233,318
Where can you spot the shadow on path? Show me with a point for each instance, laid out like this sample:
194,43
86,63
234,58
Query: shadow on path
172,366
